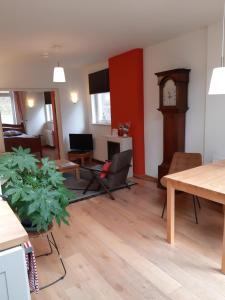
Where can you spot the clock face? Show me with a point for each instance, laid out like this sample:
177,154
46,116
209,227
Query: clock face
169,93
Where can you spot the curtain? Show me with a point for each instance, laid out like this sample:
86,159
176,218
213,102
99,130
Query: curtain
55,132
19,106
2,146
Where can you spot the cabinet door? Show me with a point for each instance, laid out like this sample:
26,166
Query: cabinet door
13,275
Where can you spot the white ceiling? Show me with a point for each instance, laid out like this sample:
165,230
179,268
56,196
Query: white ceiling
92,30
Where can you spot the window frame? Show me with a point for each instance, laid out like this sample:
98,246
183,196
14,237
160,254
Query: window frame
95,110
12,103
48,111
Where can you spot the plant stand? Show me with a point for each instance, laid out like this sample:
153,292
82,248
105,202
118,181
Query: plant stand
52,244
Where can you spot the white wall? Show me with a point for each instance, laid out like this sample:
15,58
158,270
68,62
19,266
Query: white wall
38,75
215,104
35,116
187,51
74,116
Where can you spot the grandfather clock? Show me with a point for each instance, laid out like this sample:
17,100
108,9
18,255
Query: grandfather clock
173,97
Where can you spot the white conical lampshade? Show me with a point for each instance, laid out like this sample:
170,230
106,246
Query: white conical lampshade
59,74
217,84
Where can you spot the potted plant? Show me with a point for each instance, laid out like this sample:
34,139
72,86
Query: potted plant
34,189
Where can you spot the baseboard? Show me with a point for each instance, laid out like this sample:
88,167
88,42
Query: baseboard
146,177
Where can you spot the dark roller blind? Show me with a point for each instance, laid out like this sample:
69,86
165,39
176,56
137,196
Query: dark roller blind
48,98
99,82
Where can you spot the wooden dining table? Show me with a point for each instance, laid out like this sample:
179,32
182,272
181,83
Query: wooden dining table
207,182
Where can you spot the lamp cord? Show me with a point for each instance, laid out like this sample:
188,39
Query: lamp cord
222,57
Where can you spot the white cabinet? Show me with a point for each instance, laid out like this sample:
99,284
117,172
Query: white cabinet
13,275
13,271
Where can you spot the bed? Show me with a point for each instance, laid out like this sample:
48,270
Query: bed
15,136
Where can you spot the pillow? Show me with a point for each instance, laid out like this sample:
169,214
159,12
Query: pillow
12,133
105,169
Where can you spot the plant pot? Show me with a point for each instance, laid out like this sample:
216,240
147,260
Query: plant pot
33,229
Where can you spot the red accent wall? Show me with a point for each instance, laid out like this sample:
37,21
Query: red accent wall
127,100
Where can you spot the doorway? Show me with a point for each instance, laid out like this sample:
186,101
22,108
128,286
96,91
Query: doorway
29,119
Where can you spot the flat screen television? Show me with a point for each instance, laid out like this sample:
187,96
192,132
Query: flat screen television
81,142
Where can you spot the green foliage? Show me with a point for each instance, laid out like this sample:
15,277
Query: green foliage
34,188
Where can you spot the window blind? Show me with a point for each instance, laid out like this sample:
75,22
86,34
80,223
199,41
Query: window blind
99,82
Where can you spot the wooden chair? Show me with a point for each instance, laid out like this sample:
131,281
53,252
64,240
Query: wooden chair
183,161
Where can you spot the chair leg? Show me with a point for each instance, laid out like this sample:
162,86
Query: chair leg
195,210
199,204
108,192
104,187
164,207
195,199
88,186
128,186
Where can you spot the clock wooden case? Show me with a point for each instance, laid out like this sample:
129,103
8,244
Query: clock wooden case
173,103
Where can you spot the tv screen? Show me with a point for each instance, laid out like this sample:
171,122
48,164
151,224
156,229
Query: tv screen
81,142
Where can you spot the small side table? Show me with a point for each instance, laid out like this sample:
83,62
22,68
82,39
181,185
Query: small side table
73,155
66,166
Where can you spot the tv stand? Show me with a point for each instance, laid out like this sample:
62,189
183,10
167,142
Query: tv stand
80,155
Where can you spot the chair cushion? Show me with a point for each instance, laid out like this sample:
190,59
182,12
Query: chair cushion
105,169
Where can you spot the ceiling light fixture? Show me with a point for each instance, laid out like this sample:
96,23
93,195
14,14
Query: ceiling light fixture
59,74
217,84
44,55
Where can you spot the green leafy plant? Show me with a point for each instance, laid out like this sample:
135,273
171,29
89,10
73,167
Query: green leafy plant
34,189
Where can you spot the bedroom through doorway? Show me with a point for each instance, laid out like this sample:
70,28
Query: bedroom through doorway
29,120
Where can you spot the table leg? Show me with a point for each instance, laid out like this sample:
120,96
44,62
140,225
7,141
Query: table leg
77,173
223,251
170,213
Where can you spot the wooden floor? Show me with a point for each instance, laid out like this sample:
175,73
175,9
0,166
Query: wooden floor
117,250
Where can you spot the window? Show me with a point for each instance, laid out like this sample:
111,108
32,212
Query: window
101,111
7,107
48,112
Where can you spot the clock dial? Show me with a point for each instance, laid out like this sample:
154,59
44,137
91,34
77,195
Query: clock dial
169,93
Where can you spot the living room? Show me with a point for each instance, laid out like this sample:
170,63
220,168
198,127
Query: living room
118,249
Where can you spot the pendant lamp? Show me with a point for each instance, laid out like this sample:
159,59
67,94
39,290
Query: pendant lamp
59,74
217,84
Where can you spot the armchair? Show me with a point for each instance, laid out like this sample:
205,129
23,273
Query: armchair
115,176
